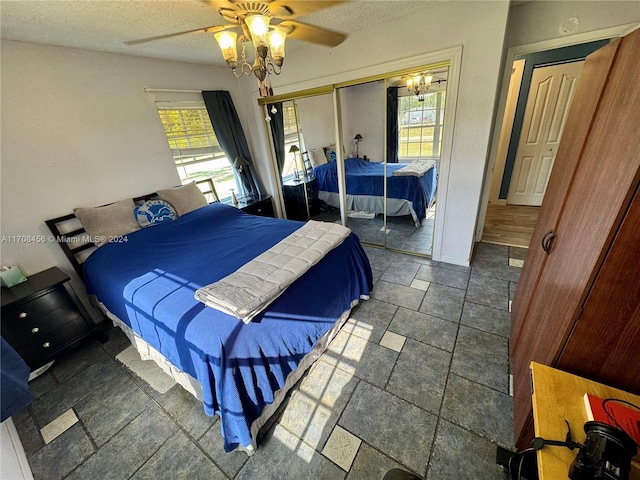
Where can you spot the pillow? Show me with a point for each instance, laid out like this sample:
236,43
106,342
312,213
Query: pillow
184,199
317,157
154,212
104,223
330,153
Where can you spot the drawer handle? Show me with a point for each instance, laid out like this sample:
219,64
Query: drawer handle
46,345
22,315
35,330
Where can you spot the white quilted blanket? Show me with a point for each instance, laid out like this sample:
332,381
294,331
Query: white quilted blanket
251,288
417,168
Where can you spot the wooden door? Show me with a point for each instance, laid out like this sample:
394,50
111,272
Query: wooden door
550,95
584,207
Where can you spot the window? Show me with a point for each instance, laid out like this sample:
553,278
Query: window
195,148
420,126
292,136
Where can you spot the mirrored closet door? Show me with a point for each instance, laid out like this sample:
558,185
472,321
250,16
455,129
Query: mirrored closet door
304,147
383,136
415,104
362,131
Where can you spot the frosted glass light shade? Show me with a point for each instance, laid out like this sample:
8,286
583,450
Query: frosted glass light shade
259,28
276,46
227,42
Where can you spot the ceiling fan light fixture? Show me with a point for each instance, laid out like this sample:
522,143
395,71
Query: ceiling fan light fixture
276,46
259,69
418,84
227,42
259,28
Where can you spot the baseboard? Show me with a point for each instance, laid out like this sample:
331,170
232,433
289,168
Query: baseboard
454,260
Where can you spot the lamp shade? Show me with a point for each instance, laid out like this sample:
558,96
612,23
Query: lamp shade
240,162
358,137
294,149
227,42
276,46
259,28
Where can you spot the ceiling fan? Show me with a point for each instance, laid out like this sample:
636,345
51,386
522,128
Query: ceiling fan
266,24
281,12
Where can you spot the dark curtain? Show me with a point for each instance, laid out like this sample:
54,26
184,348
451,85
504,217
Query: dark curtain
277,133
392,124
230,135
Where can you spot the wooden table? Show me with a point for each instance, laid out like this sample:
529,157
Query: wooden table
558,396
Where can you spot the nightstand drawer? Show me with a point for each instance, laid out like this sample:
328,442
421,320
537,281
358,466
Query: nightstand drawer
43,318
38,307
32,328
46,347
263,208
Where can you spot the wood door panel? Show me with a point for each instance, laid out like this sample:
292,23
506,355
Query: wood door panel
595,203
597,194
606,341
585,102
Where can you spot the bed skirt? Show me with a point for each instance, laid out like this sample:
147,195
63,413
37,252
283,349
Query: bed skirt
191,385
396,207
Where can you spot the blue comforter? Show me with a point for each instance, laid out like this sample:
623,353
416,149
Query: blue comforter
149,281
366,178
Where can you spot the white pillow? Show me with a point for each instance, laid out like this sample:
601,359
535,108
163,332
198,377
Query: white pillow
184,199
317,157
104,223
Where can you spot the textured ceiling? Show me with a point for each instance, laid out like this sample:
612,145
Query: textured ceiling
105,24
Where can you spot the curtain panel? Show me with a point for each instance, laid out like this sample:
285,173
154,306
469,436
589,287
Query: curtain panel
277,133
392,124
230,135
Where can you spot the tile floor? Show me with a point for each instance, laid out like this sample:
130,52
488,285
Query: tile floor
417,379
401,232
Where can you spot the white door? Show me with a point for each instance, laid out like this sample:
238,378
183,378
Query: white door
550,96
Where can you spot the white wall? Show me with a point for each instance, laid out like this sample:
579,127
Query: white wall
315,116
535,26
535,21
479,28
78,130
13,460
363,112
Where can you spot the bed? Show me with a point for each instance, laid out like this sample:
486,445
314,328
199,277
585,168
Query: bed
406,195
240,371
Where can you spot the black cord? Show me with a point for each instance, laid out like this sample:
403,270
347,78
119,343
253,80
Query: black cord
611,417
522,454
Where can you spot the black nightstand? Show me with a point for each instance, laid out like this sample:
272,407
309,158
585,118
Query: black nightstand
261,206
43,318
295,201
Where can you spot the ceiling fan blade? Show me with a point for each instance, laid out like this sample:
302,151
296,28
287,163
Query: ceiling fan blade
227,9
221,4
212,29
288,9
312,34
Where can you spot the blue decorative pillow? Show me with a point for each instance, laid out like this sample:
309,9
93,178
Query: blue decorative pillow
154,212
330,153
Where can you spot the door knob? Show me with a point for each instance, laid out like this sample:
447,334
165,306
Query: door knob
547,240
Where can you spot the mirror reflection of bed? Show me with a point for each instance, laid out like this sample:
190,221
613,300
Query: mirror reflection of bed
368,110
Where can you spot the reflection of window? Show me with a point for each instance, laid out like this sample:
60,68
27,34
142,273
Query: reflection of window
195,148
420,126
292,136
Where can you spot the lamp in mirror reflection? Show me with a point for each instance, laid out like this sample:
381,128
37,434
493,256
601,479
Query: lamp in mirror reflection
357,139
294,150
418,84
241,165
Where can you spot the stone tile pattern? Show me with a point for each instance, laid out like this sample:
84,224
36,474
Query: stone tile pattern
437,405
